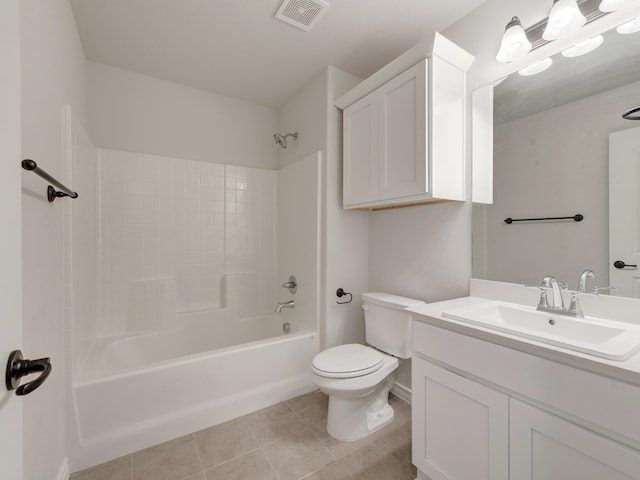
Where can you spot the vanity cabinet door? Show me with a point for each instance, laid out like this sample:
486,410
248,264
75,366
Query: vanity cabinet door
360,170
460,428
546,447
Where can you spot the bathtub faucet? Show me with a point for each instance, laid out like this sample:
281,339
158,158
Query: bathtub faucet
281,305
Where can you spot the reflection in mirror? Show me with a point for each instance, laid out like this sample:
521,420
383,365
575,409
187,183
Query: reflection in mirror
551,159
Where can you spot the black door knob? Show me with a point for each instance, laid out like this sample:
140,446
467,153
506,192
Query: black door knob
621,264
18,367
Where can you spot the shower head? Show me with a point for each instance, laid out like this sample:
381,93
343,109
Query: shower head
281,140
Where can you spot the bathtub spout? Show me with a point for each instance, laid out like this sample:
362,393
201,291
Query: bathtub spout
281,305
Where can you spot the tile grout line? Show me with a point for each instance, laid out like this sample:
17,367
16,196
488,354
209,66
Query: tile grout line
195,441
261,449
312,432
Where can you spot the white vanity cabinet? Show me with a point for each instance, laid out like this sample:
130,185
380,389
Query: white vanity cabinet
403,141
485,411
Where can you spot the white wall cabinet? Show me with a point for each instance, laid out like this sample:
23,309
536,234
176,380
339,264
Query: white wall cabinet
403,142
505,414
385,142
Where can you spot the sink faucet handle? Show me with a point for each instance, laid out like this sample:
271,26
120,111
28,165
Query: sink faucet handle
544,301
574,306
597,290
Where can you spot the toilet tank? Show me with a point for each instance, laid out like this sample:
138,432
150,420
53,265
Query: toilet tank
387,324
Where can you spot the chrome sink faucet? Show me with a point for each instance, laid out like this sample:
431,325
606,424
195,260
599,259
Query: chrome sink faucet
557,302
281,305
582,283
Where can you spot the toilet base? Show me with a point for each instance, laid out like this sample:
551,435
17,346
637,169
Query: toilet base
350,419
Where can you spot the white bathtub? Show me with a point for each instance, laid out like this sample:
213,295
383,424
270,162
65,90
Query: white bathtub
141,390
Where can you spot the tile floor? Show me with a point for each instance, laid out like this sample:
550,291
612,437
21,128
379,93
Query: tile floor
288,441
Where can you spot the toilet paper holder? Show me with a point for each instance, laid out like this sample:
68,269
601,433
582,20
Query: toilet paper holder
341,293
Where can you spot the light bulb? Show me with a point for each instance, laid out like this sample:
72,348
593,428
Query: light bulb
514,42
565,17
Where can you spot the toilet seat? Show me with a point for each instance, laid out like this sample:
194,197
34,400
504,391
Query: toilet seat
347,361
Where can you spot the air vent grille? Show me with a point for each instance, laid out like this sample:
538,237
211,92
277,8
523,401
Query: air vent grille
302,14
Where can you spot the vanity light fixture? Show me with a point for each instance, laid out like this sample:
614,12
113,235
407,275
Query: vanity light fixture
583,48
565,17
515,43
537,67
630,27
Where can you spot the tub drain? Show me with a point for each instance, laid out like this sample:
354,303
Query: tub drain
286,327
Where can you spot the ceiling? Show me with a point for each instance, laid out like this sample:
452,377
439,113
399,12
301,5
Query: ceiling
238,49
614,64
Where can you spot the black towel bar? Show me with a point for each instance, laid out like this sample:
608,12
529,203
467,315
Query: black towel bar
52,193
577,217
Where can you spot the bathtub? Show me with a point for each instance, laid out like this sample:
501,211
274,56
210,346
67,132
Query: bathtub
142,389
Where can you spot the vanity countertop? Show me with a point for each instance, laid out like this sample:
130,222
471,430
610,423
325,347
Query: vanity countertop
627,370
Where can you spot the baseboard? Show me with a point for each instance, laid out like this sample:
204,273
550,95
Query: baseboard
63,473
401,392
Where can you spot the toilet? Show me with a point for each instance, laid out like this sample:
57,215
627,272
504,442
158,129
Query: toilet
358,378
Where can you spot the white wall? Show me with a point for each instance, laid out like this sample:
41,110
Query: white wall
53,74
304,113
542,168
11,435
136,113
344,233
421,252
299,239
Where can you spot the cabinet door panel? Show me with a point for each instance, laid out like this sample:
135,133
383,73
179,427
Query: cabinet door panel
402,127
360,151
546,447
460,427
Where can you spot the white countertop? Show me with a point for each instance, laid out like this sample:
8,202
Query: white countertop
431,313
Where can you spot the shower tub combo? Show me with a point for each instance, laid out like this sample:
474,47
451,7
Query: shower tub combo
140,390
169,267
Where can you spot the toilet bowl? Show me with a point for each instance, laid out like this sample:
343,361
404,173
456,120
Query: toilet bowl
358,405
358,378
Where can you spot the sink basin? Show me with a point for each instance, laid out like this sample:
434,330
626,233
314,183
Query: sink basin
603,338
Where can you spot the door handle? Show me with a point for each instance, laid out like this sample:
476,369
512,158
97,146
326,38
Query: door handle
621,264
18,367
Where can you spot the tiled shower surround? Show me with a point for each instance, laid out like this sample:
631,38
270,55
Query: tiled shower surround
208,229
158,236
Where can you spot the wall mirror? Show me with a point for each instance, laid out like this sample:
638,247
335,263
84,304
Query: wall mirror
551,159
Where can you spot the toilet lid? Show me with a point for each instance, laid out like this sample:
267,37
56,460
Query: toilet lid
347,361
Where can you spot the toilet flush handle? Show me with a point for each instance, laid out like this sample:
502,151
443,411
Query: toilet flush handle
366,306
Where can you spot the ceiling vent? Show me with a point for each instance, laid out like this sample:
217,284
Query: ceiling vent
302,14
